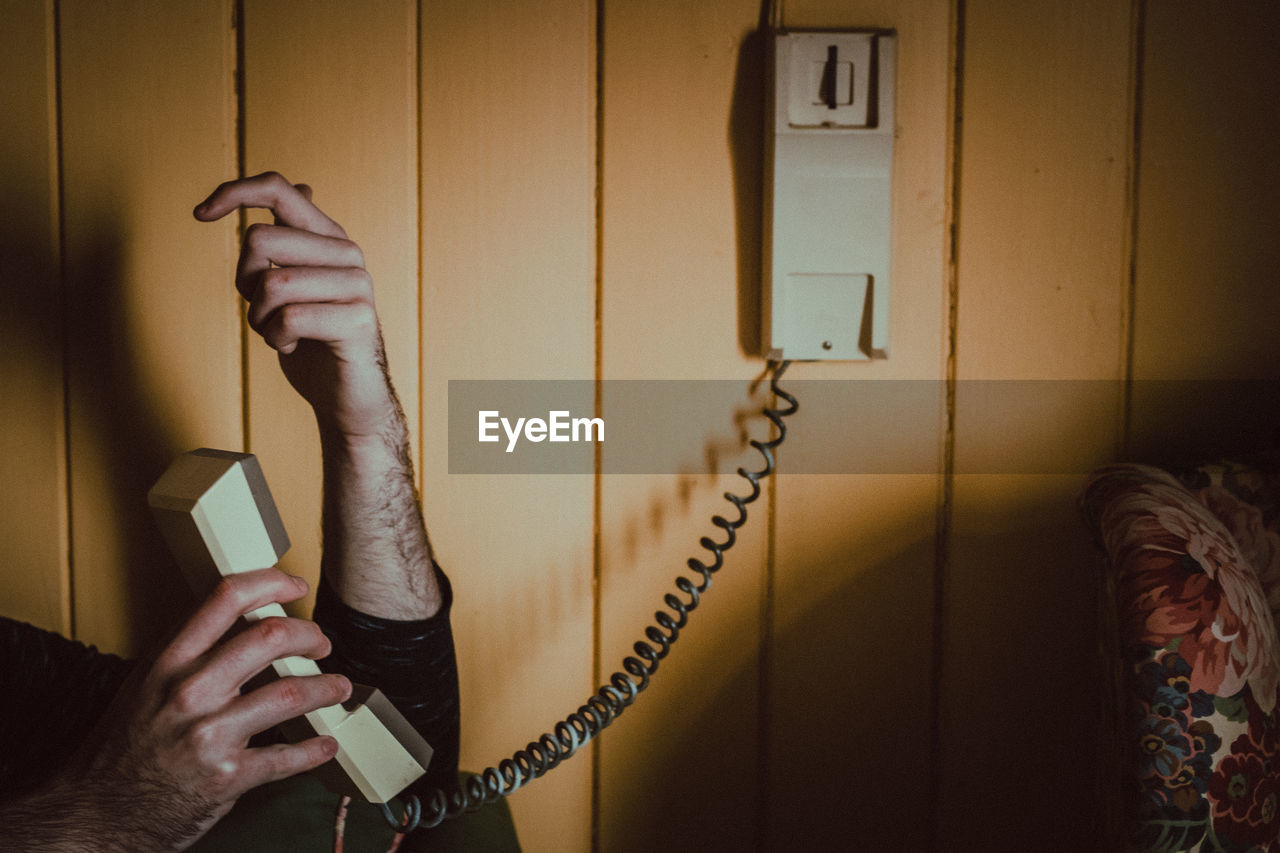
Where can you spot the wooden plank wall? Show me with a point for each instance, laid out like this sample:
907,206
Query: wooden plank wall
671,232
1045,105
153,331
32,419
375,198
852,585
1209,207
508,292
569,190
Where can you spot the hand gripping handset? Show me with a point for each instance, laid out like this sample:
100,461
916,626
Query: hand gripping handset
217,516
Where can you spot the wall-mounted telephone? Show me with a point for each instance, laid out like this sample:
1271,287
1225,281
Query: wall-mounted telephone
216,514
828,195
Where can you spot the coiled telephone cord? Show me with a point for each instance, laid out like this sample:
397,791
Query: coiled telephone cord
578,729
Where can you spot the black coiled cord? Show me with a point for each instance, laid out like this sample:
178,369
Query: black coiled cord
603,708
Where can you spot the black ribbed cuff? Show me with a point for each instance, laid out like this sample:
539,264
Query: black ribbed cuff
411,661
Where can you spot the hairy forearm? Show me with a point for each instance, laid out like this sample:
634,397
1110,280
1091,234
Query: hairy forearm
377,556
48,822
73,817
310,297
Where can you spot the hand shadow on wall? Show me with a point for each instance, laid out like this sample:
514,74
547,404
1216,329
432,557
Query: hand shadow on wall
118,419
75,324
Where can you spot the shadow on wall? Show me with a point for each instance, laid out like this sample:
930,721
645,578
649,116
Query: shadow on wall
1180,424
836,729
746,152
845,755
30,350
118,418
118,447
841,735
1024,697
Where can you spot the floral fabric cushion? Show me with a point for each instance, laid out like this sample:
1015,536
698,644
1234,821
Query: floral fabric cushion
1195,583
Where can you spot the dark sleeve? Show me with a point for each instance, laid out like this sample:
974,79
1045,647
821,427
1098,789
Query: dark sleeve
411,662
53,691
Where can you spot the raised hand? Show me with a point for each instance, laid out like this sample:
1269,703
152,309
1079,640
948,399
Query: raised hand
311,300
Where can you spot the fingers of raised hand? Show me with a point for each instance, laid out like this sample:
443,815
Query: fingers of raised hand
290,204
327,322
265,245
279,287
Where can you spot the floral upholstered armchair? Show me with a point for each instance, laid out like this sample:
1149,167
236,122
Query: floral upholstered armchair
1193,579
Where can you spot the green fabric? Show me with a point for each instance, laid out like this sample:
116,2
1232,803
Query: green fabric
297,816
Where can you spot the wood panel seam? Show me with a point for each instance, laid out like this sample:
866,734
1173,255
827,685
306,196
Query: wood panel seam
764,664
946,495
419,255
771,23
597,484
242,216
1112,818
1130,305
66,557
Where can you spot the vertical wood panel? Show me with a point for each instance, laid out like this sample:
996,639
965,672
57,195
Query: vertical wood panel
1207,308
507,94
1042,282
850,706
1209,196
681,93
331,101
32,505
154,357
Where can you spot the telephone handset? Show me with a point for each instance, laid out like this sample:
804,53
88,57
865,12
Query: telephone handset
215,511
217,516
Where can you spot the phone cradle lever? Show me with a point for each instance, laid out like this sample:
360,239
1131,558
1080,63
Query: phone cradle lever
217,516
